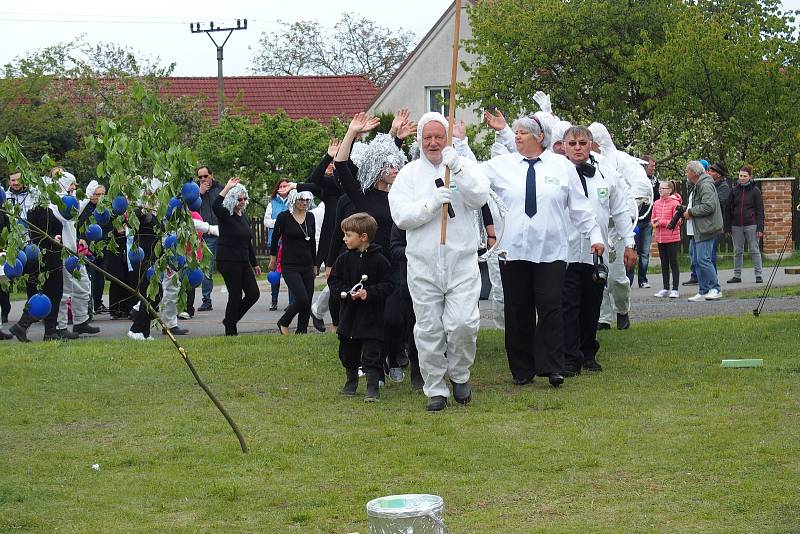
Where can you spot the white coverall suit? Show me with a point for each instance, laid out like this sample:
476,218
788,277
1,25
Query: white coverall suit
443,280
617,294
80,291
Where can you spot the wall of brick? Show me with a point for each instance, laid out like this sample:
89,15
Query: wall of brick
777,195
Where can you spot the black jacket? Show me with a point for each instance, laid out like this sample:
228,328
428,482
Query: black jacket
362,319
206,210
746,207
330,191
724,194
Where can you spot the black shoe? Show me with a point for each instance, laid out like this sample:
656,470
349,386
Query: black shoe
4,335
4,319
176,331
735,280
206,306
556,379
63,333
273,307
759,280
417,383
20,332
319,324
351,386
436,403
373,387
623,321
462,393
118,316
523,381
100,308
592,365
603,326
690,282
85,328
570,371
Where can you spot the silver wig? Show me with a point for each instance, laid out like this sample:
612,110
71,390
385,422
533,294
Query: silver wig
380,154
232,198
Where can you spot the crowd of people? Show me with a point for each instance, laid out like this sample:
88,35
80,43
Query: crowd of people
561,216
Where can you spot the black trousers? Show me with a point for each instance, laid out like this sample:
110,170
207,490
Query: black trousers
534,321
239,280
301,284
394,327
363,352
98,282
668,253
5,303
581,299
53,285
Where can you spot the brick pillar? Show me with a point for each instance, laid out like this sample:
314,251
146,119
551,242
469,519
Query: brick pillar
778,208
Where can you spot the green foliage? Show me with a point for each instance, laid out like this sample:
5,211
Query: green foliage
662,440
262,152
715,79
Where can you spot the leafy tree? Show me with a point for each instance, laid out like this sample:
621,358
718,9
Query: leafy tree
262,152
355,45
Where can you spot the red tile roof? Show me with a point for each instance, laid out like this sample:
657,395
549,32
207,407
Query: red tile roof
314,97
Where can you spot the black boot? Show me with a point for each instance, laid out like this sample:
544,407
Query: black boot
65,334
20,330
417,381
85,328
4,335
50,332
351,385
373,389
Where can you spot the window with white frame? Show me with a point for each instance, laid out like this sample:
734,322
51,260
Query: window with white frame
439,99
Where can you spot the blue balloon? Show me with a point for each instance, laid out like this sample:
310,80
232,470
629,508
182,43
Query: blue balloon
174,204
2,196
171,241
39,306
70,208
178,261
119,205
71,263
94,232
194,276
13,271
196,205
102,216
136,255
273,277
190,192
22,256
150,272
32,252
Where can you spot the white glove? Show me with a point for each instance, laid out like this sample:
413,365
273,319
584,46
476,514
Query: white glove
451,159
213,229
442,195
544,101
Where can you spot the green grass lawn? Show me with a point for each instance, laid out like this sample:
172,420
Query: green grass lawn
663,440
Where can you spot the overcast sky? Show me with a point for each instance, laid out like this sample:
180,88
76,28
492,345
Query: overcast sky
161,29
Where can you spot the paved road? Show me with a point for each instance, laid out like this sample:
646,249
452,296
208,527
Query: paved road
644,307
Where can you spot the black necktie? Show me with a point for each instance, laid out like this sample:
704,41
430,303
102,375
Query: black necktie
583,182
530,188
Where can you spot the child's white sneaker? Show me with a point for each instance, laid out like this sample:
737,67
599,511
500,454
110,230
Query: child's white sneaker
662,294
674,294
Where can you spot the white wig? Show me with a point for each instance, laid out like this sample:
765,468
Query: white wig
380,154
232,198
295,195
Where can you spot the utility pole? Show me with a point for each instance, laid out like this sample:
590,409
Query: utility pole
195,28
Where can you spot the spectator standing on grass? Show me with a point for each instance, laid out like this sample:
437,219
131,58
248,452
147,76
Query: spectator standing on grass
236,257
718,172
746,223
669,240
704,217
209,191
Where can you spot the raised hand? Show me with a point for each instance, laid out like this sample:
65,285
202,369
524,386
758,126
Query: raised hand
408,128
495,121
460,130
333,147
400,118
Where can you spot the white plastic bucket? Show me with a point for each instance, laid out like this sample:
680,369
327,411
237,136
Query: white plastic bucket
406,514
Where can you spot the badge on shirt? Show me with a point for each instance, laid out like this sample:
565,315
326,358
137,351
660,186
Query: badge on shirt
602,192
551,180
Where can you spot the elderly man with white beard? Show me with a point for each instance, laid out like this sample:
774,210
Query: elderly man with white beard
443,280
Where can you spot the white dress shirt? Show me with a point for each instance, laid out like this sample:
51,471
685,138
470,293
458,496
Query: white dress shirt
560,203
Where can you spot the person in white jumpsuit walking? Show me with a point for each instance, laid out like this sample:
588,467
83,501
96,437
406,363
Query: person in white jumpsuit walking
443,280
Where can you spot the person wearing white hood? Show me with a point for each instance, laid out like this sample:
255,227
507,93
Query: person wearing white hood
79,290
544,198
617,295
443,280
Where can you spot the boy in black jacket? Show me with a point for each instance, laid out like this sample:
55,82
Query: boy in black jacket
362,279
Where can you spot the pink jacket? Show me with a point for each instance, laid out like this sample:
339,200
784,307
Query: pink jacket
663,210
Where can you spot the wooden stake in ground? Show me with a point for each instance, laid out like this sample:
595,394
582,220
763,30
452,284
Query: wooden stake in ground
451,115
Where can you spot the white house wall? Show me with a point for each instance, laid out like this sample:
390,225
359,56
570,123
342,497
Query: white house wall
429,67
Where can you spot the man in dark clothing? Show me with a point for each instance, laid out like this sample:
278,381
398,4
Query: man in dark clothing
209,191
719,173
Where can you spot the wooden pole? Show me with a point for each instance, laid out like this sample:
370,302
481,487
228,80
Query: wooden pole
451,115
